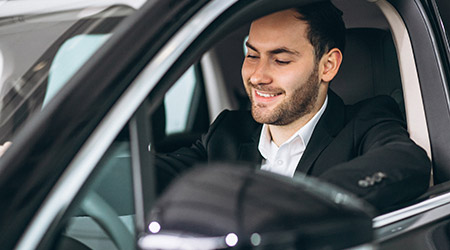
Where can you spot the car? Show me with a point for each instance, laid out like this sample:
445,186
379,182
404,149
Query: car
90,91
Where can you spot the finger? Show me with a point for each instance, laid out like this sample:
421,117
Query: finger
4,147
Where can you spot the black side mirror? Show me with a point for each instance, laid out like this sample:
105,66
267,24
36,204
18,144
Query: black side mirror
225,206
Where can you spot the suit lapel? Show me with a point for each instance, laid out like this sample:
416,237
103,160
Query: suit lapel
329,125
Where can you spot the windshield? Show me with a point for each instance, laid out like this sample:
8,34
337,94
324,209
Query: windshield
42,44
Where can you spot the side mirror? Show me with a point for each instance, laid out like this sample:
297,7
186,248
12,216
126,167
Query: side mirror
225,206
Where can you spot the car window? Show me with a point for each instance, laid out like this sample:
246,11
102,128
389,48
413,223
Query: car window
183,115
178,102
103,216
362,41
62,41
72,54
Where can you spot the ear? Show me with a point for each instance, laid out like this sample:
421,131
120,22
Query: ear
331,63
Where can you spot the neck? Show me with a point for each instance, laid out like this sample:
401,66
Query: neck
281,134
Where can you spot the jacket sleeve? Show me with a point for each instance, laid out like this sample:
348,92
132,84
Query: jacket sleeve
389,168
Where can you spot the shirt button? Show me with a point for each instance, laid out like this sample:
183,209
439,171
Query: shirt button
279,162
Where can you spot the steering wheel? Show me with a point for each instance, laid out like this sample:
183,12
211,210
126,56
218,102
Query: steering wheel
105,216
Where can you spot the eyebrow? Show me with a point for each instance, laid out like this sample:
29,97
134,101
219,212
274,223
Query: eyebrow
275,51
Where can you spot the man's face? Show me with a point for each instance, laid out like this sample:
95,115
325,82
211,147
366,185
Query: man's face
280,72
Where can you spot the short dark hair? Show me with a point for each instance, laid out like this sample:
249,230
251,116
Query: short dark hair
326,27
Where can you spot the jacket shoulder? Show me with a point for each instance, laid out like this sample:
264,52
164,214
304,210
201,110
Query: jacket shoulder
379,106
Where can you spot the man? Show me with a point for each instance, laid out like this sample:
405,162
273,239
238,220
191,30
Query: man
298,126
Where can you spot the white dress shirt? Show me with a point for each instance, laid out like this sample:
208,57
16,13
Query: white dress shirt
283,160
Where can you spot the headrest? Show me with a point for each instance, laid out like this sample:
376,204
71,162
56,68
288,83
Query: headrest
370,67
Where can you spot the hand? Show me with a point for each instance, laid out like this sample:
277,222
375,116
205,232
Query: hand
4,147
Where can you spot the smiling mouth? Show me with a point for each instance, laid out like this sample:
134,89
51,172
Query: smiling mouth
266,95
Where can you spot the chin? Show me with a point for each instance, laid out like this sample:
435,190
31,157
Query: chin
259,117
263,116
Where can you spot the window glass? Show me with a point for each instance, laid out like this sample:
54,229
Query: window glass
44,48
103,217
183,115
72,54
178,101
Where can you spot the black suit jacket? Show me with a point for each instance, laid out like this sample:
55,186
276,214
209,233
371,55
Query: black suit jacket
363,148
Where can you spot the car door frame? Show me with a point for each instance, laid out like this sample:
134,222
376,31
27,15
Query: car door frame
40,160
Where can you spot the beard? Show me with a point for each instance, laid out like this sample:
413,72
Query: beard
300,103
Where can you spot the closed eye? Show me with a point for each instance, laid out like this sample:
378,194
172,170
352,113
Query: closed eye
282,62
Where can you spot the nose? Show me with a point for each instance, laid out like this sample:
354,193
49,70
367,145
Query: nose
261,73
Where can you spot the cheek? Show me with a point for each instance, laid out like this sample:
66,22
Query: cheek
290,79
294,77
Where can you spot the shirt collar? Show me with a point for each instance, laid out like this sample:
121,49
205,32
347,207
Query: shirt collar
304,133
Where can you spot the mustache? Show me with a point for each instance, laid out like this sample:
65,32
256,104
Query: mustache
265,87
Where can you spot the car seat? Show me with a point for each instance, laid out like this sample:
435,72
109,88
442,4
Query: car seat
370,67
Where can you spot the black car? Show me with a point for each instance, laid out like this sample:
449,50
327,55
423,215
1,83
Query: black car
89,91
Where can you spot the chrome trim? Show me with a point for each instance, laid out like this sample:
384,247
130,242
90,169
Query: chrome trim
169,241
426,219
97,144
410,211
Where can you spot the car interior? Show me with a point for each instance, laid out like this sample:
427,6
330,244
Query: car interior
370,68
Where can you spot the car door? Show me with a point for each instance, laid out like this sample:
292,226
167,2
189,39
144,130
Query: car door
45,148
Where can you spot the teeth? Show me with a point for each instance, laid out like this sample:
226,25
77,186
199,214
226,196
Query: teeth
265,95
